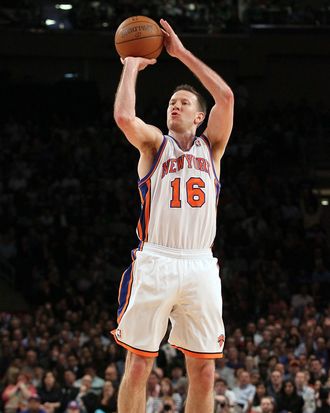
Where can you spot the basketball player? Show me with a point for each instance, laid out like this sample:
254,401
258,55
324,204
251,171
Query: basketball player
174,275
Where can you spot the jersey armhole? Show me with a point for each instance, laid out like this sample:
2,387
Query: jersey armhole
155,162
205,139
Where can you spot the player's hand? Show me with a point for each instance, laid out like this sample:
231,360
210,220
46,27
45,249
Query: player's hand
172,42
139,62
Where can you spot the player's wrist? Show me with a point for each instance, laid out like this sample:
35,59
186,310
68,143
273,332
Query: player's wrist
181,53
131,64
131,61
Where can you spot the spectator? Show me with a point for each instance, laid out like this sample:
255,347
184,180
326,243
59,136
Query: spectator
72,407
34,405
68,390
275,386
260,393
317,372
176,374
321,351
325,402
12,372
108,399
221,389
153,391
233,361
73,364
267,405
16,396
166,390
168,405
289,400
259,330
306,392
293,369
225,372
111,374
221,404
181,388
319,393
301,299
97,382
244,391
86,398
50,393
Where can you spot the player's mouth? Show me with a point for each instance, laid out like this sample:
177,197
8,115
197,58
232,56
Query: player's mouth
175,113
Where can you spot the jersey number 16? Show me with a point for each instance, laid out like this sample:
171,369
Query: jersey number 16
195,195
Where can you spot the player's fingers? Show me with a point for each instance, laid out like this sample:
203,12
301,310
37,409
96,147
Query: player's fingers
122,60
165,32
166,26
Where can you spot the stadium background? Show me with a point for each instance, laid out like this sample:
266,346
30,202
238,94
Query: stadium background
69,202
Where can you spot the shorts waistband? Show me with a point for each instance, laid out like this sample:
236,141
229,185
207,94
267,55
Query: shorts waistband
176,252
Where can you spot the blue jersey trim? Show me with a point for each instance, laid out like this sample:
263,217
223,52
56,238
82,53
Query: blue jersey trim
192,144
205,139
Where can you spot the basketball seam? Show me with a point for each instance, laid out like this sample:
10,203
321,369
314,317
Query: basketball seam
141,21
160,47
140,38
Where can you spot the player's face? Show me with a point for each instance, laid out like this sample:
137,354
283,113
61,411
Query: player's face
183,111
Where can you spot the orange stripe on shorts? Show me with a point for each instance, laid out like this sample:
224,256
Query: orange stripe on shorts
197,355
133,349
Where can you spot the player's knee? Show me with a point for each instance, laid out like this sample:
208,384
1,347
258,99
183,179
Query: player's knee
203,376
138,370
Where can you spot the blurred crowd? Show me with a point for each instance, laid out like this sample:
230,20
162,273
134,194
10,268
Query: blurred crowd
68,209
189,15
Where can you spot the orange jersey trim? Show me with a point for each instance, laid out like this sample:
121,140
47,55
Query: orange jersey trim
198,355
139,226
134,350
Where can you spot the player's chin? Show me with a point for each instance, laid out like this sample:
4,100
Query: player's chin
173,121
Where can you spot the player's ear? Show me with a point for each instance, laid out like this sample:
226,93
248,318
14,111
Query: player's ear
200,116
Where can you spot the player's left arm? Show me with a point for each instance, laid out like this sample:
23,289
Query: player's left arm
220,122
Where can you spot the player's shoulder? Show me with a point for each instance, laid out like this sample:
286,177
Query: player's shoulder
170,141
203,140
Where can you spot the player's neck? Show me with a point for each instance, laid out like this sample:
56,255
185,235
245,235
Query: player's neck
185,139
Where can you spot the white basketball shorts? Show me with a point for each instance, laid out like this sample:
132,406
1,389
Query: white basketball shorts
181,285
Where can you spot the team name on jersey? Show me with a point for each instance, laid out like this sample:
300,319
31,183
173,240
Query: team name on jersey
173,165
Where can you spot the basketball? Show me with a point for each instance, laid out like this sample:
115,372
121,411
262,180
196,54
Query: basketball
139,36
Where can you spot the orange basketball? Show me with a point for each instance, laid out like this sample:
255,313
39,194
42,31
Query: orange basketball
139,36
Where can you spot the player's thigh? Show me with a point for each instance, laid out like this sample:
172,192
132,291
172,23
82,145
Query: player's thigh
197,318
144,321
202,290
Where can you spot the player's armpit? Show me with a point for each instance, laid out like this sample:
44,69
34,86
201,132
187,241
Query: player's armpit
140,134
219,125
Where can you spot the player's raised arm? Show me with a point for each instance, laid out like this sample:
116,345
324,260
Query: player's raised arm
220,121
140,134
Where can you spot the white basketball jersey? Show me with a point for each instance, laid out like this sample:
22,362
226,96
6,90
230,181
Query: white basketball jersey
179,197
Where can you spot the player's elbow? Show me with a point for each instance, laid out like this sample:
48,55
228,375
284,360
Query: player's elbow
224,95
228,96
123,119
